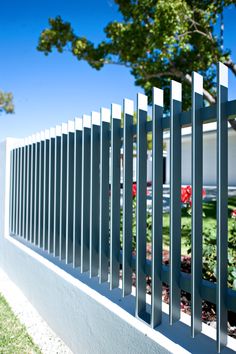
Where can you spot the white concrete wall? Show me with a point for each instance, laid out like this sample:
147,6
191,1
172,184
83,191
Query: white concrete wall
85,314
209,159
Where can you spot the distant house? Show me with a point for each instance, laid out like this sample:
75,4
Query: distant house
209,155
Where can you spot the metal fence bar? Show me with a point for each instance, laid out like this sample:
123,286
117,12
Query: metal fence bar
28,189
46,189
14,191
197,183
17,189
94,194
41,188
20,187
57,191
115,196
32,191
157,192
36,190
222,206
104,195
141,206
175,202
24,190
11,192
85,208
62,241
70,191
77,193
128,109
51,205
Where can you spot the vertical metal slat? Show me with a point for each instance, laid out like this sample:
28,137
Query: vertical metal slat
175,201
157,193
127,196
222,206
57,191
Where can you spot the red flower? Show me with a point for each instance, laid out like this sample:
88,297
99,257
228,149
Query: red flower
134,190
186,195
233,214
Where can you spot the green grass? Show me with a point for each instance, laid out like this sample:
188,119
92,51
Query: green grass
14,338
209,222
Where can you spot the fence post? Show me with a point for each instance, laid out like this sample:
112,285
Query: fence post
46,189
175,202
85,209
104,195
222,206
41,188
197,181
141,206
115,196
157,208
127,196
51,205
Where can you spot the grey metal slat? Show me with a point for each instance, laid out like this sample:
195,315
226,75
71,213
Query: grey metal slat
28,191
20,188
51,206
41,191
175,201
197,184
57,191
127,197
222,206
46,190
94,195
32,191
157,199
104,195
24,191
77,193
141,206
11,193
115,196
62,239
70,192
17,190
85,209
14,193
36,190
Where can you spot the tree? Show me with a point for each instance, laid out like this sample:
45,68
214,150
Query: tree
158,41
6,102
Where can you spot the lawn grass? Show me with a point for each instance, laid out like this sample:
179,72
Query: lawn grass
14,338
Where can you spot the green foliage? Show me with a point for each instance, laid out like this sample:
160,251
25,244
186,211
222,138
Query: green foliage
157,40
6,102
13,335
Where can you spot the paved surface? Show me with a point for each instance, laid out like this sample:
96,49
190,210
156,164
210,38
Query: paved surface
42,335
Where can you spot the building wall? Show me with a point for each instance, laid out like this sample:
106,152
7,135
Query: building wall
209,159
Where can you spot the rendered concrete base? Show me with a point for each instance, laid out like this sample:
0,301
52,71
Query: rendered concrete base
86,315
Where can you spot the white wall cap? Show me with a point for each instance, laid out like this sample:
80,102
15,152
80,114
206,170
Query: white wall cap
223,75
42,134
158,96
64,128
58,130
78,123
176,90
96,119
197,83
106,115
116,111
47,134
52,132
128,106
71,126
142,102
86,121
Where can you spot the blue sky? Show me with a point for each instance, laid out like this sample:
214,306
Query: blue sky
50,90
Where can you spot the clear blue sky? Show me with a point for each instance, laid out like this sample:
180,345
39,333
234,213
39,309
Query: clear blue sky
50,90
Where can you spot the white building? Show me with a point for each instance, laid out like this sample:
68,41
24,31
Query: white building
209,155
